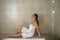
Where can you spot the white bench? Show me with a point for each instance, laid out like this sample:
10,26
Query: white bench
24,39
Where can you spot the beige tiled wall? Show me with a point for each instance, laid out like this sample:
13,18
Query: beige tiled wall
14,13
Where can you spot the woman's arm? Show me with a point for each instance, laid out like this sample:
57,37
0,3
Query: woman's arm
37,28
38,31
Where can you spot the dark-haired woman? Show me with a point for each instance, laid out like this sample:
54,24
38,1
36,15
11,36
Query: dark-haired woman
28,32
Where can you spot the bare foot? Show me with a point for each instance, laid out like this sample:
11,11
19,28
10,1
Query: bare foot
6,34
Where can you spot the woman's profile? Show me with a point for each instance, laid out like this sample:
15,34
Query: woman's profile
28,32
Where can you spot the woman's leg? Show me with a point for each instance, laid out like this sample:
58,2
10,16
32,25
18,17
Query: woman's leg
19,30
14,35
18,33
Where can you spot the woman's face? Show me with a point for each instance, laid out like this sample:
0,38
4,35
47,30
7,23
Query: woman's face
33,16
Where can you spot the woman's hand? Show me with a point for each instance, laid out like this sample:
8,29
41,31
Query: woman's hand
39,34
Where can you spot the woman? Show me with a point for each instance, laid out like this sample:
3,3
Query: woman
25,32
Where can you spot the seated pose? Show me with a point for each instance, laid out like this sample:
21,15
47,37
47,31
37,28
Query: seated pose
28,32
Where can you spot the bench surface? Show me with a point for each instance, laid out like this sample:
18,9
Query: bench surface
23,39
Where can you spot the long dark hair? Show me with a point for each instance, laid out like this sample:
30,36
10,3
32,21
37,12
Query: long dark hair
36,18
